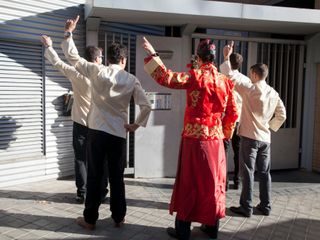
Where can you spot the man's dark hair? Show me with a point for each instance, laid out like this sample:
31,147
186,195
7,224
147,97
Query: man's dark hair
206,51
260,69
235,61
91,53
116,52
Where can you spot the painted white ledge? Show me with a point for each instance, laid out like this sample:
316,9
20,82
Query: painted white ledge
209,14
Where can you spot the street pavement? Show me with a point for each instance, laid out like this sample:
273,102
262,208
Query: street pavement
47,210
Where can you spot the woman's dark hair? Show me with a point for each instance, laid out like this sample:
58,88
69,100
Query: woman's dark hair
91,53
116,52
206,51
235,60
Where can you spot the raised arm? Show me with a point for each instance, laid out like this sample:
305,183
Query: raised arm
158,71
242,82
88,69
51,55
225,67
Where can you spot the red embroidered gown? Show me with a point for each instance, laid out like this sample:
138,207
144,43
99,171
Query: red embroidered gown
210,115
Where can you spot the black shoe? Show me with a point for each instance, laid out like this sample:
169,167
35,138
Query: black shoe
119,224
262,210
203,228
236,183
172,232
209,231
80,199
240,211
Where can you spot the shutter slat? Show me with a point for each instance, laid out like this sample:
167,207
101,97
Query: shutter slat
21,88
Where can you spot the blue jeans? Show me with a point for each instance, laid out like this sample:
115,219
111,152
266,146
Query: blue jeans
254,152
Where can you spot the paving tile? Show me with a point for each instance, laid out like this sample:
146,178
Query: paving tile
27,212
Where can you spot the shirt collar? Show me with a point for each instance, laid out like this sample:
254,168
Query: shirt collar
115,66
261,83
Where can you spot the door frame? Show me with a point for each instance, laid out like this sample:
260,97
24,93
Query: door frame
279,137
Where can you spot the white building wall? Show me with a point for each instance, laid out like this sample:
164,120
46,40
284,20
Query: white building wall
313,57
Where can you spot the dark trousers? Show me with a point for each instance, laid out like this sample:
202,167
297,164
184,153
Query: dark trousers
102,147
183,229
255,153
226,144
80,133
236,146
235,142
80,164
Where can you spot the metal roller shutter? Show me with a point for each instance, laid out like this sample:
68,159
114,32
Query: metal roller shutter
35,139
21,101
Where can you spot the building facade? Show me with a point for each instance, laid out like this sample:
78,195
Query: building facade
36,140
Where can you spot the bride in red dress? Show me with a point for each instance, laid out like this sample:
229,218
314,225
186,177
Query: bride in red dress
199,190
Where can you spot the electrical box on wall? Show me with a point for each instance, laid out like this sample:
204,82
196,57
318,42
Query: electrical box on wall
159,101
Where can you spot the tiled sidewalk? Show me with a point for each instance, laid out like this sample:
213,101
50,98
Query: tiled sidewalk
46,210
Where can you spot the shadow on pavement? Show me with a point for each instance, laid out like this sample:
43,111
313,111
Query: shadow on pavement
295,176
154,184
47,198
296,228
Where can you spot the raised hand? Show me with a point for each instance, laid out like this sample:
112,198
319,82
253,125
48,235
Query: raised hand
147,46
227,50
71,24
46,41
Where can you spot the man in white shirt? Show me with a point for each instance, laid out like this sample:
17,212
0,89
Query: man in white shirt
81,87
262,109
235,63
112,89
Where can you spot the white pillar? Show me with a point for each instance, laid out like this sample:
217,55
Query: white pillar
92,38
313,57
92,31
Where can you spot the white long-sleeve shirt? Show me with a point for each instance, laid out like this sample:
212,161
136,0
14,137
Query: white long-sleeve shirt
226,70
262,107
80,86
112,89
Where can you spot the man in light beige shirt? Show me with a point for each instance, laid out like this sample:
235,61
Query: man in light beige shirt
112,89
262,109
81,87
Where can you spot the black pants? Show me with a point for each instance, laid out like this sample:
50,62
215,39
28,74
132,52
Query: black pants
183,229
80,133
80,164
235,142
102,147
236,146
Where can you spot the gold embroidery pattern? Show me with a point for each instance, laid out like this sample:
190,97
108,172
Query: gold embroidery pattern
194,98
180,77
202,131
158,73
